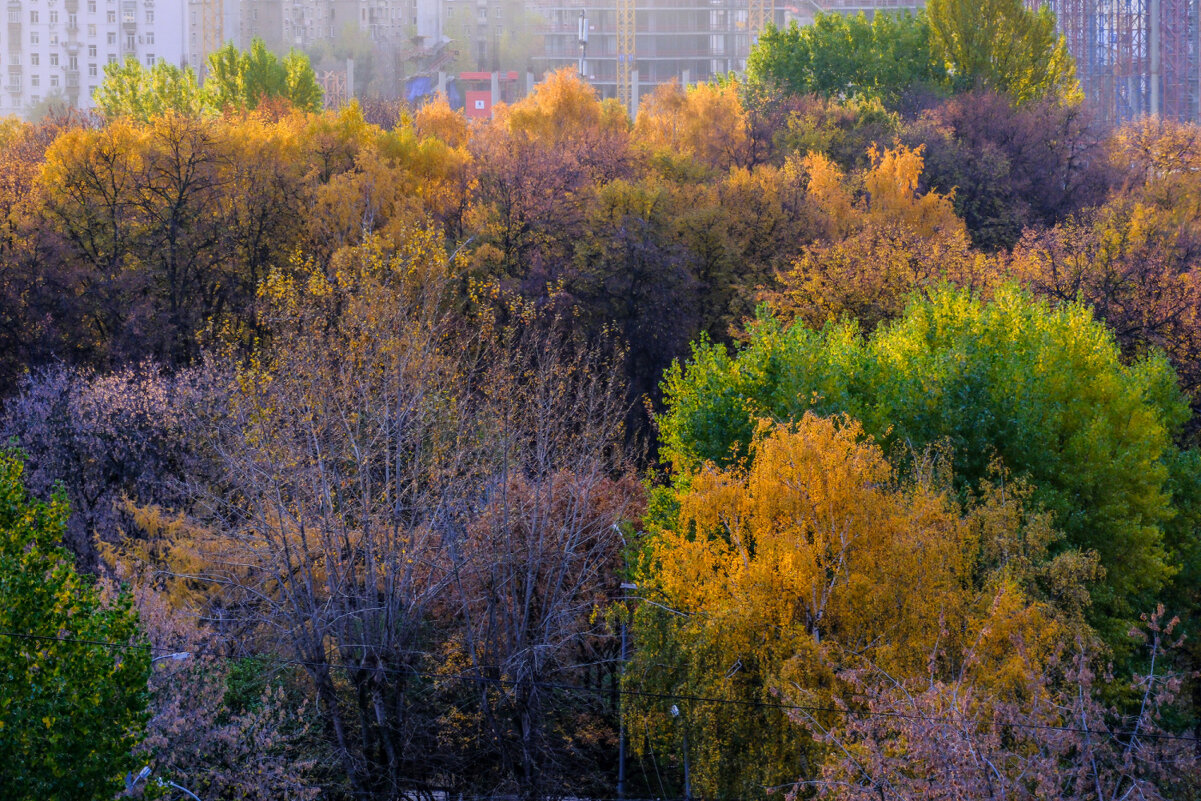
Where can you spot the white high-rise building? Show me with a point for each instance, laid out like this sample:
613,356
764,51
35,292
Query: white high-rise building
55,50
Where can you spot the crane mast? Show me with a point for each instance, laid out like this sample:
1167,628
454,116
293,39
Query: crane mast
625,52
759,13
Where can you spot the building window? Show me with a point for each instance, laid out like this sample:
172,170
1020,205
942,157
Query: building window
91,30
15,59
112,38
91,6
150,16
112,58
91,51
34,59
14,15
72,20
34,38
35,80
54,59
112,18
92,71
53,16
53,81
150,59
149,37
72,62
33,17
130,43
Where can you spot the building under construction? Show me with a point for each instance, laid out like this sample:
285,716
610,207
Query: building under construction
633,46
1134,57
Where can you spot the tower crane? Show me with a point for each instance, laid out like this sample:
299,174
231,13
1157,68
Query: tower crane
626,19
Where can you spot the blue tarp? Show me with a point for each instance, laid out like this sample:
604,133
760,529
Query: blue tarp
418,87
422,86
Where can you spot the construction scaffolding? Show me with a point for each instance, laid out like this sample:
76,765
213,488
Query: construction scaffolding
636,45
1133,57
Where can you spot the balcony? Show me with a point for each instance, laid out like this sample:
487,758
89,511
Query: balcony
72,79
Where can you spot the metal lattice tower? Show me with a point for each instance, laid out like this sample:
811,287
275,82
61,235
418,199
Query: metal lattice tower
1178,59
626,35
759,13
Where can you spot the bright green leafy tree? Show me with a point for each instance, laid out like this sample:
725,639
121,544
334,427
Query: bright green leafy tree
236,80
131,90
842,54
1042,389
244,79
1004,46
72,695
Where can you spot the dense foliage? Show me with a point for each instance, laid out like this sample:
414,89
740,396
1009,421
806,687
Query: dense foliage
816,433
73,659
950,46
1006,384
236,79
885,57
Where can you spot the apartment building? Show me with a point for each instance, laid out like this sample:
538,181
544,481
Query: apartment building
54,51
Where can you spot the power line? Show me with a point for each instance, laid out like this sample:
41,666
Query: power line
619,691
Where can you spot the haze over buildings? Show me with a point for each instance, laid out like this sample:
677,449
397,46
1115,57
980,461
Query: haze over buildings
1134,57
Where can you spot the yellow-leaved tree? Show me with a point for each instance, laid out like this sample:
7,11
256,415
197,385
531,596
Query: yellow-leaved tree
884,239
763,585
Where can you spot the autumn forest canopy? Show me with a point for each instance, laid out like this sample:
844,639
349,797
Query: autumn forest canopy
830,430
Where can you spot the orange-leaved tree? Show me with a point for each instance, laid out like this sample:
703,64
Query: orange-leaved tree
762,583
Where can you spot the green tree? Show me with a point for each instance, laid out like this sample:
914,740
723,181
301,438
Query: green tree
1003,46
73,703
236,80
841,54
131,90
300,82
244,79
1041,389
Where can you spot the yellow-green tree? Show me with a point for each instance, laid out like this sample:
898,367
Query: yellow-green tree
1003,46
1042,389
74,662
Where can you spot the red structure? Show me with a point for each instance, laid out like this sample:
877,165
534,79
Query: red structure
1133,57
1178,30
